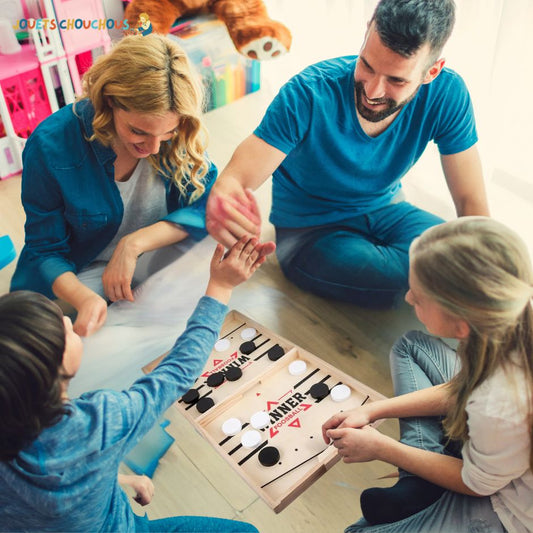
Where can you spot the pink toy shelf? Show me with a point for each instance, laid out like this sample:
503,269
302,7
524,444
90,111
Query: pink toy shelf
81,45
24,90
23,104
44,75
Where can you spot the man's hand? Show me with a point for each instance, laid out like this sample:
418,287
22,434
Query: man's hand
232,212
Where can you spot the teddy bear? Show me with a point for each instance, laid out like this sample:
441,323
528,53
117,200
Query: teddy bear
253,32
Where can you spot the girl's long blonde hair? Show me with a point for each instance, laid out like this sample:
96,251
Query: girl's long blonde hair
479,270
152,74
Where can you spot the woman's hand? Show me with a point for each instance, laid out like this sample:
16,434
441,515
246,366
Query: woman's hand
118,273
142,485
91,308
92,312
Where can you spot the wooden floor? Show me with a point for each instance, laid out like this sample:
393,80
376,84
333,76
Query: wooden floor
192,478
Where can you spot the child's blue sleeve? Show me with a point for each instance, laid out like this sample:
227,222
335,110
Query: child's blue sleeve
128,415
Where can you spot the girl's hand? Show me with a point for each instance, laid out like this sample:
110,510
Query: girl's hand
357,445
234,267
355,418
142,485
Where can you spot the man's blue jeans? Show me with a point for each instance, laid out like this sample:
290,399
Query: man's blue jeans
420,361
363,260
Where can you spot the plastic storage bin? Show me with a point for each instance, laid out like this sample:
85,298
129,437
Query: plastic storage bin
226,74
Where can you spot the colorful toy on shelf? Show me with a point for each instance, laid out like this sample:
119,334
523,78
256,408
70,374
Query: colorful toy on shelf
253,32
226,75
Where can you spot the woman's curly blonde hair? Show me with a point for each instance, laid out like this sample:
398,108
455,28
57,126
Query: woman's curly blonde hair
152,74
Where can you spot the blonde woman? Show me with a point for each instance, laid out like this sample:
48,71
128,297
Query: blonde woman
470,279
120,173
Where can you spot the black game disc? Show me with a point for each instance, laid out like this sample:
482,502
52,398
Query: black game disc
191,396
276,352
319,390
247,347
269,456
204,404
216,379
233,373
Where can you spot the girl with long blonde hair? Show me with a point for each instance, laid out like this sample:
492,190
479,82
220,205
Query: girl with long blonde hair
465,453
120,174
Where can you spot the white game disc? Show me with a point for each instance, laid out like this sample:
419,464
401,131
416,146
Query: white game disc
248,333
250,439
339,393
297,367
260,420
231,426
221,345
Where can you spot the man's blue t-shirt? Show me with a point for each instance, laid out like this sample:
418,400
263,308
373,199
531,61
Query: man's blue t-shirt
333,169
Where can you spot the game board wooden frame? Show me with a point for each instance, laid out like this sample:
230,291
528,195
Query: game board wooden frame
304,456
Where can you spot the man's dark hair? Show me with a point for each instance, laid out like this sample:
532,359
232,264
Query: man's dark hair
405,25
32,342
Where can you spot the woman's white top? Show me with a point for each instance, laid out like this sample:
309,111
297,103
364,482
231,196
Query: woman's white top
144,199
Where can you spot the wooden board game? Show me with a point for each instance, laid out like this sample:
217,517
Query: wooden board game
261,402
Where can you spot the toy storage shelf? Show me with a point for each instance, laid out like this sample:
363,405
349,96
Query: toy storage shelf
225,74
23,89
23,104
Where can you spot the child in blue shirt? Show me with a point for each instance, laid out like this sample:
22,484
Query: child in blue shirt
59,458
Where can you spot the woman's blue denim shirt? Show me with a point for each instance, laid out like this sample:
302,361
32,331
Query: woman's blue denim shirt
73,206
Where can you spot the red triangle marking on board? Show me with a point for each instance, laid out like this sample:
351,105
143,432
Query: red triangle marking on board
270,404
217,361
273,432
305,406
295,423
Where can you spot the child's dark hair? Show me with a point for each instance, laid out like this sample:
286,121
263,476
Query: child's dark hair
32,342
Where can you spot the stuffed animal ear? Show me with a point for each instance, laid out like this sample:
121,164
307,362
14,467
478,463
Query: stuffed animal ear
252,31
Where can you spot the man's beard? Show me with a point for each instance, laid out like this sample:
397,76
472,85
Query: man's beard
378,116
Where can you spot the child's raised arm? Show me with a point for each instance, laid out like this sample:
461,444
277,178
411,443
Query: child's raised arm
236,266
